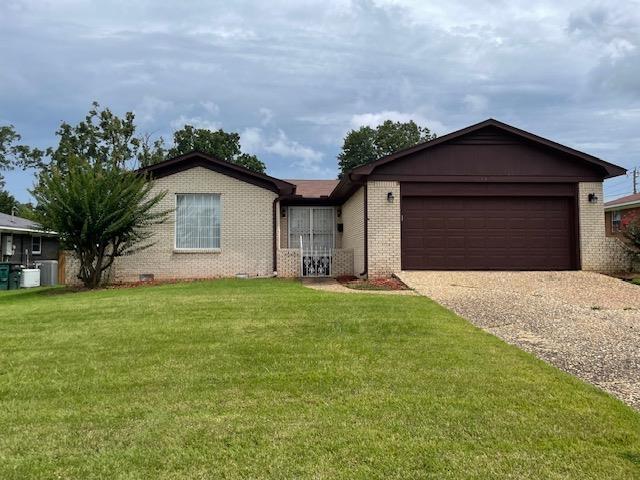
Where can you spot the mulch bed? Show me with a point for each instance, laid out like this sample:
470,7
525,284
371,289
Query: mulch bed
390,283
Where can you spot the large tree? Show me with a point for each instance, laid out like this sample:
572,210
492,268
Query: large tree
8,203
13,154
367,144
101,138
88,193
221,144
100,211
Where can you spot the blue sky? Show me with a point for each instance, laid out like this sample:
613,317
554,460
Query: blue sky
293,77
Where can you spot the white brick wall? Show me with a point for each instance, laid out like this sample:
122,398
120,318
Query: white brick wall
598,252
353,228
383,228
289,262
246,232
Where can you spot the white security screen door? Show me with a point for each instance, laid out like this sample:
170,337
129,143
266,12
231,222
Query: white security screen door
315,225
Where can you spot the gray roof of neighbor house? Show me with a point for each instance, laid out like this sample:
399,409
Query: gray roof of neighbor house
9,223
629,201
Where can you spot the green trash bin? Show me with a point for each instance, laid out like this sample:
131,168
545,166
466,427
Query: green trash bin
14,278
4,276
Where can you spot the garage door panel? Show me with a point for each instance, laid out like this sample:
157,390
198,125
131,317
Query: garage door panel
487,233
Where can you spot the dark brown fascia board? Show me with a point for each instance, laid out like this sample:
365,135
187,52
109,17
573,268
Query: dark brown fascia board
300,200
610,169
346,187
199,159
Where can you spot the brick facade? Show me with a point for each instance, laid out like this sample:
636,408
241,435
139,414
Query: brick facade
353,228
289,262
598,252
383,230
246,244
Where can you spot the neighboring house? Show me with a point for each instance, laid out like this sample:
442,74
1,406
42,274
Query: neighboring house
23,242
615,210
487,197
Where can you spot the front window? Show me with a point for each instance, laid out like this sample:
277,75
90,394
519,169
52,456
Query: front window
36,245
314,225
616,220
197,221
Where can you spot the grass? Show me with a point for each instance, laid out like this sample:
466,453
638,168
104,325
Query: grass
268,379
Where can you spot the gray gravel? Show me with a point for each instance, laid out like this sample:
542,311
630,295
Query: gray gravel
584,323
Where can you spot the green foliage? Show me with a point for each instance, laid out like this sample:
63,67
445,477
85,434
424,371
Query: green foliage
101,138
14,155
631,231
223,145
7,202
367,144
99,210
28,211
151,151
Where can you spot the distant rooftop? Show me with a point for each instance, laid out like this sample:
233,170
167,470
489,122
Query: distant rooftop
17,222
634,198
314,188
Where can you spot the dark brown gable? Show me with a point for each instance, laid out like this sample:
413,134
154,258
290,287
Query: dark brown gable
489,153
198,159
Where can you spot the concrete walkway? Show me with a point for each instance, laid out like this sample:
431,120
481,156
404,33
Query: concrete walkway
332,285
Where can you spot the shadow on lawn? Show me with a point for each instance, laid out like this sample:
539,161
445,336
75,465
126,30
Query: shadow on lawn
26,293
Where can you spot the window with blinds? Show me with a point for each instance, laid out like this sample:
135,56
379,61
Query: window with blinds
315,225
197,221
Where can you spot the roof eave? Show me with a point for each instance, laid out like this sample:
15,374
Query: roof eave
610,169
622,206
282,187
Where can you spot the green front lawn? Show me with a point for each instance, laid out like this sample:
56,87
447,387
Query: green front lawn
268,379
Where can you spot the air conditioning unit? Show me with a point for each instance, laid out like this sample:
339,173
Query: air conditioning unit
7,245
30,278
48,272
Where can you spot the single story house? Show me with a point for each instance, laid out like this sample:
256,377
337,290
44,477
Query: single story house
616,209
487,197
23,242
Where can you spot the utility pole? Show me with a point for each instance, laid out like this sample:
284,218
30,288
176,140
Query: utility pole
635,180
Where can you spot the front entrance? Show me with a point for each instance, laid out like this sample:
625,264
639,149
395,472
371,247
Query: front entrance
312,230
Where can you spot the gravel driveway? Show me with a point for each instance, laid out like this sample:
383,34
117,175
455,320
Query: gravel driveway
584,323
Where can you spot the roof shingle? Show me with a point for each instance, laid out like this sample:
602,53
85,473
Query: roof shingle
314,188
623,200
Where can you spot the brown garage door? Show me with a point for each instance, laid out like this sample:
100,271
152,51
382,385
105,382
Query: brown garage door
487,233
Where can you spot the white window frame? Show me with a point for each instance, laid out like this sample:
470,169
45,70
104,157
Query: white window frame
310,207
614,227
175,225
33,250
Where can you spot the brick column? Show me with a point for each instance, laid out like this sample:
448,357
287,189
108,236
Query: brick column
597,251
383,228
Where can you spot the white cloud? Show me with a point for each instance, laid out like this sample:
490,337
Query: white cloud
251,140
266,115
476,103
377,118
211,107
149,109
309,161
197,122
